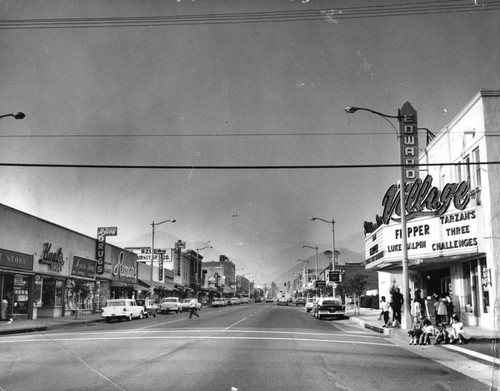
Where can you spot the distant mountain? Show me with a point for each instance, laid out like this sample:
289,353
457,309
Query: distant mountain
280,266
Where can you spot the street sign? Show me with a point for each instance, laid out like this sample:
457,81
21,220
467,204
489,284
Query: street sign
320,283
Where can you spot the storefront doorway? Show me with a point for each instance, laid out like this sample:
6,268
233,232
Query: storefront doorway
438,281
14,290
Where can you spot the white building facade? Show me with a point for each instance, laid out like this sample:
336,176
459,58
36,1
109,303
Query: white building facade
453,218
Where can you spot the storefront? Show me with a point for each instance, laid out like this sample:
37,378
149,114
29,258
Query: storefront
445,257
49,271
16,274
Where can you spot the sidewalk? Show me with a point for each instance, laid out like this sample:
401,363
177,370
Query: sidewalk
482,346
17,326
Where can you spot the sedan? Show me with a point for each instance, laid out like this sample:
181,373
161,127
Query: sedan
219,303
328,307
185,304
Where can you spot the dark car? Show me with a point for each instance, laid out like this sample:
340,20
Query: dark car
258,299
300,301
150,307
328,307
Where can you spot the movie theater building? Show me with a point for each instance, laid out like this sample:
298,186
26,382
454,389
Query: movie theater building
453,219
50,271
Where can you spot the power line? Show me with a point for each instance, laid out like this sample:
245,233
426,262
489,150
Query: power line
207,135
329,15
240,167
192,135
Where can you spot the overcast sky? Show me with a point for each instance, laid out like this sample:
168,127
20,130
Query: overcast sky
203,89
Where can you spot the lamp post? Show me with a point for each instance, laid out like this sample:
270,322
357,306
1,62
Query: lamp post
333,236
198,257
314,248
306,274
153,227
18,115
406,318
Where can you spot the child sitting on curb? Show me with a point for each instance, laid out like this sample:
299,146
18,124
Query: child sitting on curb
427,331
415,333
442,334
458,333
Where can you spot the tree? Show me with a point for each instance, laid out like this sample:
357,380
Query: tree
353,285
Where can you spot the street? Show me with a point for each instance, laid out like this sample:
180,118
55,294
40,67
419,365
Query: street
245,347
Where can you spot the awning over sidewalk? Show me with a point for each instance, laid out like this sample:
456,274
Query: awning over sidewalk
136,286
420,263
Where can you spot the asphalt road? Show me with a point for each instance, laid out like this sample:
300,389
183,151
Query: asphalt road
248,347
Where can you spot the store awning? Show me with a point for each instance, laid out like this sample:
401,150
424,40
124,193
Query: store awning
136,286
421,263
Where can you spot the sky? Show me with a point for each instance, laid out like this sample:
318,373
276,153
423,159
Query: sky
213,115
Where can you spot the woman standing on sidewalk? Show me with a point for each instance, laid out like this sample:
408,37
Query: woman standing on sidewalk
442,311
384,307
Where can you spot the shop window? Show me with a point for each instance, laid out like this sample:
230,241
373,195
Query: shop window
485,285
467,170
20,294
79,294
52,293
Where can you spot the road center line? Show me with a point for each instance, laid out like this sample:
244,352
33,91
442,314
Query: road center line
234,324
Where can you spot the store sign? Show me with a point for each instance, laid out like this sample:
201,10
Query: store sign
16,260
423,199
84,268
124,268
102,232
54,260
409,140
449,234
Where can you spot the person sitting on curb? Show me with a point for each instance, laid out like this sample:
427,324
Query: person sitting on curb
458,333
427,331
442,334
415,333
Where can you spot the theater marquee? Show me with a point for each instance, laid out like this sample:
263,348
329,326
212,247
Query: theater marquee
429,237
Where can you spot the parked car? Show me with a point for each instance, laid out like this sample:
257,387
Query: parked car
244,300
300,301
122,309
186,303
170,304
309,304
150,307
328,307
283,301
258,299
219,303
269,300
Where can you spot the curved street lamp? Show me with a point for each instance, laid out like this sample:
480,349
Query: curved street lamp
314,248
153,227
406,318
332,222
306,274
18,115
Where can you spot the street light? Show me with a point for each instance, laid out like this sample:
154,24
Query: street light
18,115
198,257
306,274
153,227
333,235
406,319
314,248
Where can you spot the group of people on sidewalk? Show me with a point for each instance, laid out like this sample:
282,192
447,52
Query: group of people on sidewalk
422,329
